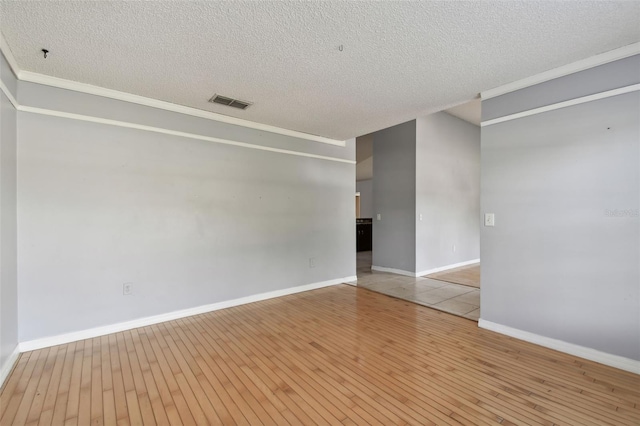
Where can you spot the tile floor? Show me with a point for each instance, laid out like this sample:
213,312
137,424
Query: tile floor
455,299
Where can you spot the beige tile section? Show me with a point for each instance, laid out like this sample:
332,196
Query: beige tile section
472,298
473,315
455,307
450,290
428,298
381,286
407,291
455,299
433,283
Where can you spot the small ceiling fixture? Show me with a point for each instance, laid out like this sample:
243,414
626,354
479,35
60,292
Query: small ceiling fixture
45,51
234,103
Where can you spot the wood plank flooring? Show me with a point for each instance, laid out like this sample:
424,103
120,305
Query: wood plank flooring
465,275
338,355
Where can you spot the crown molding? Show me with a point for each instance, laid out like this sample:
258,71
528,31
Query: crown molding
129,125
571,102
593,61
89,89
117,123
11,60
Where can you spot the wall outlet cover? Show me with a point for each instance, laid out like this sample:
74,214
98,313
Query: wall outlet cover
127,289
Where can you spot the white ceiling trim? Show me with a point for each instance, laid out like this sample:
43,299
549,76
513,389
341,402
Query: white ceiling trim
167,106
4,47
154,103
594,61
576,101
117,123
153,129
8,94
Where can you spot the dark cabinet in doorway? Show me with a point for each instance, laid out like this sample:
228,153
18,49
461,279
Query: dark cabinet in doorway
364,234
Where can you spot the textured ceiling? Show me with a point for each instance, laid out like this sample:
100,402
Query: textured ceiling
399,59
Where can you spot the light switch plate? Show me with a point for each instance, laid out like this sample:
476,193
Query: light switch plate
379,216
489,219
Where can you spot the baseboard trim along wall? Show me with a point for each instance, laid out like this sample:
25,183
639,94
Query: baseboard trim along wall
61,339
446,268
422,273
393,271
5,369
353,282
615,361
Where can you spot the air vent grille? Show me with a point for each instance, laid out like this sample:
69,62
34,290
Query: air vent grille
234,103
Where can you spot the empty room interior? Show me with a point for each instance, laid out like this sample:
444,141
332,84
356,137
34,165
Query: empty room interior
179,243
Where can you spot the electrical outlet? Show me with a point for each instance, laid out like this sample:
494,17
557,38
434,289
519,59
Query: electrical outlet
312,262
127,289
379,216
420,217
453,248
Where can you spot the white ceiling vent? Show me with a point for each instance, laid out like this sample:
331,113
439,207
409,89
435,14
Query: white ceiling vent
224,100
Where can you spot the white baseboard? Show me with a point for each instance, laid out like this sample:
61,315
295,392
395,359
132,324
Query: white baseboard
616,361
141,322
427,272
353,281
393,271
446,268
8,365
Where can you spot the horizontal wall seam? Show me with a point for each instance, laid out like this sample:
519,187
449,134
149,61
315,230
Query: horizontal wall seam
564,104
153,129
125,124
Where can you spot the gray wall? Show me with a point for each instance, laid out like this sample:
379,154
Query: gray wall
563,258
365,188
394,197
8,238
188,222
447,191
594,80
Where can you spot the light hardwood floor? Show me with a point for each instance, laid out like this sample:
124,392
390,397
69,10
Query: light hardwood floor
465,275
338,355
